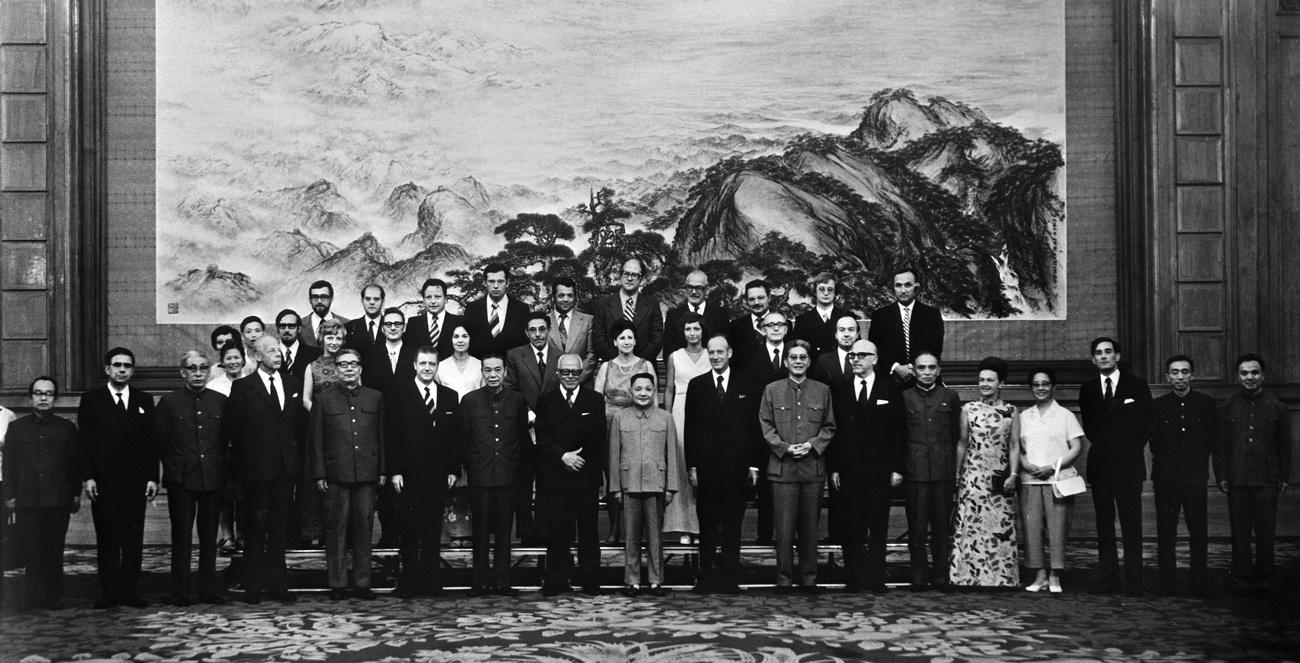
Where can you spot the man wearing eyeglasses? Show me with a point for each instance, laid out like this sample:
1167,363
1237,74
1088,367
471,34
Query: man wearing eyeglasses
798,424
346,454
194,472
321,297
764,361
747,330
715,316
866,459
571,431
385,366
820,325
297,355
42,487
121,455
630,304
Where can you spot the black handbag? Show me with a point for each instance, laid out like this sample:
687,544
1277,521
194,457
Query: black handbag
998,481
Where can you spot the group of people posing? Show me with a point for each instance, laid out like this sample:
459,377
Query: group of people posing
526,418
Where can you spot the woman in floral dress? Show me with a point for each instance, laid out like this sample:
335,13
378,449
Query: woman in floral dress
321,375
984,549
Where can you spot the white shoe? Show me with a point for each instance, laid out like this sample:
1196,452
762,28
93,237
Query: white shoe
1037,586
685,540
1054,585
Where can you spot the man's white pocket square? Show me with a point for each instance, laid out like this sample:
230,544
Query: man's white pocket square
882,402
1128,400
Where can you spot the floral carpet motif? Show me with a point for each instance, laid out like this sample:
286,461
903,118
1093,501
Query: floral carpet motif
758,626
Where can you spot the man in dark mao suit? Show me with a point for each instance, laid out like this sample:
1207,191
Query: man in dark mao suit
866,458
265,422
899,343
1116,409
119,445
724,449
570,454
424,439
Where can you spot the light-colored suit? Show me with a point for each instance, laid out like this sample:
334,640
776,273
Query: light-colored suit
522,375
577,341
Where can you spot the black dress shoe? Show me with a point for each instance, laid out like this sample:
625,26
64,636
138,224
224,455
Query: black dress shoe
434,592
630,591
507,591
253,597
1106,587
104,602
134,601
181,601
479,591
877,587
366,594
405,593
811,590
658,591
1134,591
282,595
214,599
555,590
784,589
338,594
731,589
591,590
701,588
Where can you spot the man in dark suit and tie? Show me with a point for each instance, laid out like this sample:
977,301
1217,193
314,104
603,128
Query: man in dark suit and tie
365,331
297,355
346,459
119,445
265,421
747,330
1116,409
321,297
496,320
424,442
820,325
716,319
193,452
388,363
764,360
571,432
571,329
530,370
435,325
905,329
866,459
724,449
494,422
631,305
833,364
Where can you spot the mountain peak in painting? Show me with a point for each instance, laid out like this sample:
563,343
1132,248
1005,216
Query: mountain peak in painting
204,289
894,118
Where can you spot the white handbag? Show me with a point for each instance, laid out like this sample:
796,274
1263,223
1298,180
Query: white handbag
1066,483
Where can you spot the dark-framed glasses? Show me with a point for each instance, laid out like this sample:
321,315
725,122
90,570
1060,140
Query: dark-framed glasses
569,372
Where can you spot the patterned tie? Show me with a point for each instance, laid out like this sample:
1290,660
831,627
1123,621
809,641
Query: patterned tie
541,366
275,395
570,397
907,332
776,359
435,332
863,394
319,340
428,401
288,360
1109,392
495,321
564,329
629,308
722,391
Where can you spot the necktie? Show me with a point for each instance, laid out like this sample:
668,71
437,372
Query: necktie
1109,392
541,366
776,359
695,309
570,398
288,360
373,338
319,340
907,332
495,321
428,401
629,308
863,394
848,365
435,332
758,326
275,395
120,403
564,329
722,391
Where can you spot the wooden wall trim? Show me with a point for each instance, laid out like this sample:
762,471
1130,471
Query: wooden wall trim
1133,199
89,328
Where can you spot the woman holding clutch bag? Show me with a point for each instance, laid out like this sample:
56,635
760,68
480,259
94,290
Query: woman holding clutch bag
984,550
1050,437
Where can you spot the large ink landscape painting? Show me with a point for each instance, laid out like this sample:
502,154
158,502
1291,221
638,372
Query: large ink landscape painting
388,141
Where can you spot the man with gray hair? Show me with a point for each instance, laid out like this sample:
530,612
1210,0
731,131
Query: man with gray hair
346,458
194,472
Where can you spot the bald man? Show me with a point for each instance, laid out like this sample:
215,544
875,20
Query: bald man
716,319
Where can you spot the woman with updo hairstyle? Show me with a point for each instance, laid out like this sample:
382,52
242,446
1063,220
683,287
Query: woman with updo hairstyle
984,547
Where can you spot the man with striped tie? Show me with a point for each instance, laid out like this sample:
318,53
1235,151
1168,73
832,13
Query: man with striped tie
496,321
629,304
906,328
434,326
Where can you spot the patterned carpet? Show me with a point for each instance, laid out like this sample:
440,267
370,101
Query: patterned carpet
757,626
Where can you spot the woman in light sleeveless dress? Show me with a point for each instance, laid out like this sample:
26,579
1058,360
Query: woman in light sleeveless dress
985,552
684,365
